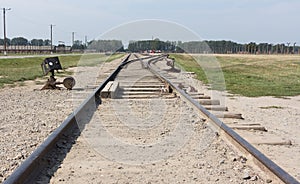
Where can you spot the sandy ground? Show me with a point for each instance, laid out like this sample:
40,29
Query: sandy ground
152,141
153,155
26,120
280,116
29,115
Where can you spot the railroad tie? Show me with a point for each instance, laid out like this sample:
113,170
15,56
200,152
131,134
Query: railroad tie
229,115
209,102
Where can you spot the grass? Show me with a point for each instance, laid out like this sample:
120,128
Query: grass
248,75
189,64
206,68
271,107
95,59
14,70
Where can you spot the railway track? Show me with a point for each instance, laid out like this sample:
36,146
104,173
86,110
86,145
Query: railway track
156,119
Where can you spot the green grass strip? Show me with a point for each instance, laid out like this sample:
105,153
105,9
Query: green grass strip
252,76
14,70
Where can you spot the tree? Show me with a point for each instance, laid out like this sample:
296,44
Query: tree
106,45
47,42
78,45
146,45
37,42
7,41
19,41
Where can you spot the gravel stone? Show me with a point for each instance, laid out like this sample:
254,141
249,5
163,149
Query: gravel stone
28,116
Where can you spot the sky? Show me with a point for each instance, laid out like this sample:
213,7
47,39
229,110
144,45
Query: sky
242,21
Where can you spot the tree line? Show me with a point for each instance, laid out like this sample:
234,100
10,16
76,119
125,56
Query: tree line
146,45
217,47
105,45
21,41
24,41
208,46
96,45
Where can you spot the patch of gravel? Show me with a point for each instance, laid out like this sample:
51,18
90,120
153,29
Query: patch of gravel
28,116
280,116
152,141
203,158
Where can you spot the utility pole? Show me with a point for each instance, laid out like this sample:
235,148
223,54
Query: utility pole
4,27
271,52
282,47
51,36
294,48
288,47
73,38
85,40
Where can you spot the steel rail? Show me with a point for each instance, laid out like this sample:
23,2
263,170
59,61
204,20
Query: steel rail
28,169
259,156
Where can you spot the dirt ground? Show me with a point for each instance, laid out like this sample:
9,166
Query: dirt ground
153,155
280,116
29,115
153,141
26,120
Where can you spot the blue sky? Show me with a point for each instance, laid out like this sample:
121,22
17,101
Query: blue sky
274,21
